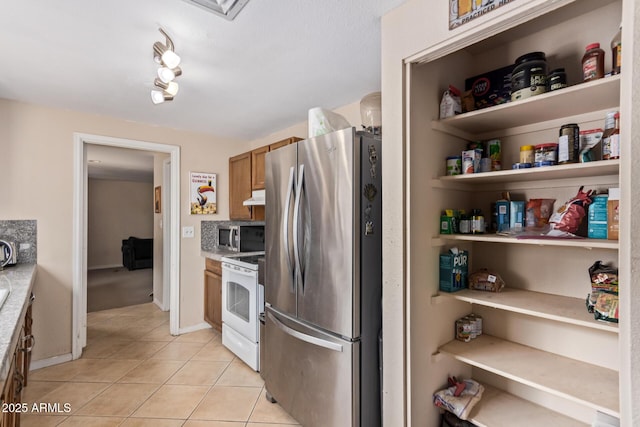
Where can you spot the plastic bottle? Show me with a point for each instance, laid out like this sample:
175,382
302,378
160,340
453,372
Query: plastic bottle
593,63
611,137
616,52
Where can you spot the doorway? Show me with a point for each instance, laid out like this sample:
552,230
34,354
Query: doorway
171,248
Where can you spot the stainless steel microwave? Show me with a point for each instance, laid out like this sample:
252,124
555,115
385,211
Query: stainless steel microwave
241,238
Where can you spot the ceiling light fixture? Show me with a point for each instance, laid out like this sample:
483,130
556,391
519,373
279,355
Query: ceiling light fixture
164,54
228,9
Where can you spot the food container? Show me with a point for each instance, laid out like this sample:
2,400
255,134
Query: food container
521,165
454,165
569,144
546,163
454,268
527,154
547,152
529,77
495,154
557,79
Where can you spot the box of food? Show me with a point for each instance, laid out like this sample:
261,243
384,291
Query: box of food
491,88
516,216
597,218
454,269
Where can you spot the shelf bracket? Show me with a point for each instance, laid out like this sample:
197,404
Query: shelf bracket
436,299
436,357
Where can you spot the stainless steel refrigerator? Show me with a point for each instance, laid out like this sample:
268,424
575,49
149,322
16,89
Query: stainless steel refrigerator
323,285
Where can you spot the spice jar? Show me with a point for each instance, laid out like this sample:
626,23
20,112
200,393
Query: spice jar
593,63
526,154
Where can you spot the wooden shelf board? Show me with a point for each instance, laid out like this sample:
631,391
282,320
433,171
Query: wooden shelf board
548,173
495,238
500,409
582,98
571,379
553,307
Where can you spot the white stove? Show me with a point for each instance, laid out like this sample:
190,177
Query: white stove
242,303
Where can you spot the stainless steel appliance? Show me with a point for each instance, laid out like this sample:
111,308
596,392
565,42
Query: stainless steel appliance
241,238
324,279
242,303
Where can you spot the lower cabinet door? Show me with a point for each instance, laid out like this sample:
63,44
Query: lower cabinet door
213,299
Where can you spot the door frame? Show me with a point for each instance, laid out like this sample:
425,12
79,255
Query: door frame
166,234
80,220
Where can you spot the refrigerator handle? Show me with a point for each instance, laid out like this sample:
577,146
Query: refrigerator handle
285,228
304,337
296,219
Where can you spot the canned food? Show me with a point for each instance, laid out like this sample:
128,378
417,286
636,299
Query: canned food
495,154
547,152
472,321
569,143
454,165
463,330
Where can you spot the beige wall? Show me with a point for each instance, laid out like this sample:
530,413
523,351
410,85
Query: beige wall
116,210
351,112
36,160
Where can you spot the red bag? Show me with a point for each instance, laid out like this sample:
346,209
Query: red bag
569,216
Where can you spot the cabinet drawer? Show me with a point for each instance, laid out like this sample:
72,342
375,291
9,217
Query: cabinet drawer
213,266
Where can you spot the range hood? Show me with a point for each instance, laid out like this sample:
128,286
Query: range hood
257,199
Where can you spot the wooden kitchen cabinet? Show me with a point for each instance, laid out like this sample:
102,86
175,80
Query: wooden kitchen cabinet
258,158
240,186
213,294
11,392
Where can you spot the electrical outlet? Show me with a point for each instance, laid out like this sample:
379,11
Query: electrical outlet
187,232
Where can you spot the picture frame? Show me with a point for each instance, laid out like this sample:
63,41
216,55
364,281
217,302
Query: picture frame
202,193
463,11
157,199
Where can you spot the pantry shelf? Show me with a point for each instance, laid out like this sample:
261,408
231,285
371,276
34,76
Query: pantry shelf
553,307
582,98
495,238
549,173
498,408
577,381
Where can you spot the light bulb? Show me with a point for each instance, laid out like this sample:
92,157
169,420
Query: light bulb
172,88
166,74
170,59
158,96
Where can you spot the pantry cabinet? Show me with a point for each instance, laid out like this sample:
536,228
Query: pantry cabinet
213,294
543,358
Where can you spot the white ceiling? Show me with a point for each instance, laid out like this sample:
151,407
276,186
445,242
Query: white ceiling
242,79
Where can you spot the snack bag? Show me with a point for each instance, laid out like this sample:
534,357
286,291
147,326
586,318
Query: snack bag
603,299
451,103
568,217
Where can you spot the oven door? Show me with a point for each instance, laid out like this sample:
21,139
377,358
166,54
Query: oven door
240,298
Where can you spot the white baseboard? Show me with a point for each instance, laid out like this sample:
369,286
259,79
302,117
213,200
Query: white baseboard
194,328
102,267
56,360
160,305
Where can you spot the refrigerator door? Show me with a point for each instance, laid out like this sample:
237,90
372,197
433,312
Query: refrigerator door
280,180
324,223
311,374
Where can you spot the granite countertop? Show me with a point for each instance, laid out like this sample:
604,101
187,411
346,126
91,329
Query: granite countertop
218,254
19,279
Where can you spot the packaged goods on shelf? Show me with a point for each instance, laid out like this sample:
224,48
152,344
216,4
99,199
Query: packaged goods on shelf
450,104
516,216
454,268
459,399
603,299
529,76
566,220
491,88
485,280
613,217
597,220
590,145
538,212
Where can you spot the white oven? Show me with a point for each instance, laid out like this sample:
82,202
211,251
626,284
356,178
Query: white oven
242,303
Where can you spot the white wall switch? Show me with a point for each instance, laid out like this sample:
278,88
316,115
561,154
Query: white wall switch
187,232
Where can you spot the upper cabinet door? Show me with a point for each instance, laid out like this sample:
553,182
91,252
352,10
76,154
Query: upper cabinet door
257,167
239,186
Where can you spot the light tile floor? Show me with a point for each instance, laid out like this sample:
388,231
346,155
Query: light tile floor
134,373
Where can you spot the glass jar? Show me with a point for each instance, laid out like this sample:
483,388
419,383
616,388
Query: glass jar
593,63
546,154
526,154
477,222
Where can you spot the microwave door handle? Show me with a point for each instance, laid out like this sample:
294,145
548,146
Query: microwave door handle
231,239
296,221
285,228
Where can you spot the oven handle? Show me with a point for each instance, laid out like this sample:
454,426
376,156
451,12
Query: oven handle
285,228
